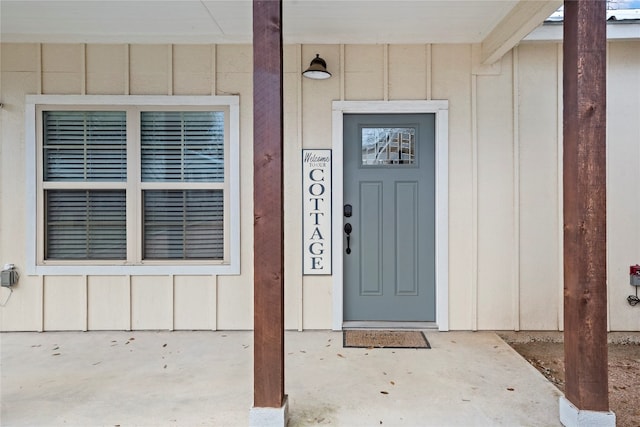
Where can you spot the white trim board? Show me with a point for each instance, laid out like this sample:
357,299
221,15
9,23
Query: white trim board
441,110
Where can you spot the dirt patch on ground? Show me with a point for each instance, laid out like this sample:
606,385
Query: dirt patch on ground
546,353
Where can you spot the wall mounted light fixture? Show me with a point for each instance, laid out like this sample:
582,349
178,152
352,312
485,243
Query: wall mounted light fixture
317,69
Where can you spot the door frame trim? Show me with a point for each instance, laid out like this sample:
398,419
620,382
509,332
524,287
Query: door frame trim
441,110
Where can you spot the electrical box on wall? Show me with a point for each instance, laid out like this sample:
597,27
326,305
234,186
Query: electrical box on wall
634,275
8,275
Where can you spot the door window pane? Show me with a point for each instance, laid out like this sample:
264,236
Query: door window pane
388,146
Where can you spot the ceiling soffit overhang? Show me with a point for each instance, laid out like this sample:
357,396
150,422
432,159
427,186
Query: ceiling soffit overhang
497,25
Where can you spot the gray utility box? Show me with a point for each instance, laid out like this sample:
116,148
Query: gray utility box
8,277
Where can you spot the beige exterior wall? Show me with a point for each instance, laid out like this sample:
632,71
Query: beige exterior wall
623,191
505,223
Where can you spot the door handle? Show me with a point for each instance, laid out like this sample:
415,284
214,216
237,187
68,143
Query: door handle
348,229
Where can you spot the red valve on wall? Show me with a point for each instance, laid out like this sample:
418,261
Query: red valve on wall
634,275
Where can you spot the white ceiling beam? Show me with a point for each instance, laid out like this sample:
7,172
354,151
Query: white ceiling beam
520,21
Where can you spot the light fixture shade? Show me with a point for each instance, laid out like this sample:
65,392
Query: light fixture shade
317,69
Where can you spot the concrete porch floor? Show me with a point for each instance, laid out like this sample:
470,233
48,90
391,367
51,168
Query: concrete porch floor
205,378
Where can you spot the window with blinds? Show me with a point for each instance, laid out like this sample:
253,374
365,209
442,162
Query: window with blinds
182,146
93,196
85,224
183,224
83,147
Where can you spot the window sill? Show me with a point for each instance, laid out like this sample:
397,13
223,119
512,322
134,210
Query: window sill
134,270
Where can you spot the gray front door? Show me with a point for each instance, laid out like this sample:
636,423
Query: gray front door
389,183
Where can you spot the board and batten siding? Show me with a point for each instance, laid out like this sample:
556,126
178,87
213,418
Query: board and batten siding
623,177
505,178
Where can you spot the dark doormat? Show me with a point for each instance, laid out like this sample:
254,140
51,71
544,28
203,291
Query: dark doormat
384,339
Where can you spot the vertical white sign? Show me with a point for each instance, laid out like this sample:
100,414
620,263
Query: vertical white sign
316,211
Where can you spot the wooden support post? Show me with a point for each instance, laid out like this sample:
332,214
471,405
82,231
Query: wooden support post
268,205
585,269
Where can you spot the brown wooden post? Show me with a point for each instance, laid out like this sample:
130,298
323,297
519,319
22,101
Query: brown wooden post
268,205
585,269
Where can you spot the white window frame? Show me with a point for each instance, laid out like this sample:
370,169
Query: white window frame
133,265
